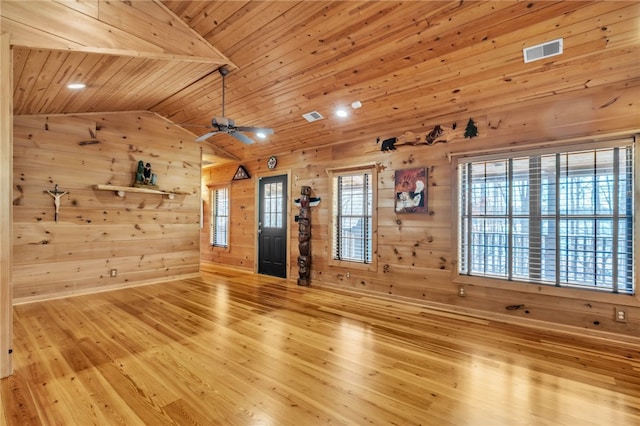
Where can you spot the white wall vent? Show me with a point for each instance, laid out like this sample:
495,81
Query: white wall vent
312,116
542,51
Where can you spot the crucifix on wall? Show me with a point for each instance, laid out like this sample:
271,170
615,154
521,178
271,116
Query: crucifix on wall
56,194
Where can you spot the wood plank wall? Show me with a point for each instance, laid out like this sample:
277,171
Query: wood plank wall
416,254
146,237
6,159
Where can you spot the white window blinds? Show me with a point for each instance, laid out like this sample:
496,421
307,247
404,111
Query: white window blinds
563,218
220,217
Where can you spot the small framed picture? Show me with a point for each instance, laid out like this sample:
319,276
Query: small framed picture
411,190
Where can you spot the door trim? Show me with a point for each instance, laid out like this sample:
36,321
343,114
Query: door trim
256,253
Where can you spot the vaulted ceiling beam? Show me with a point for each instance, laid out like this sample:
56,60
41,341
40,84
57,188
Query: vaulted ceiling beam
145,29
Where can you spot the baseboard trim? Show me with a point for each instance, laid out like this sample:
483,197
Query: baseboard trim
624,339
94,290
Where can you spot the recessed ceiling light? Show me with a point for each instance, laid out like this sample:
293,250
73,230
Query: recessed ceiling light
76,86
356,104
342,112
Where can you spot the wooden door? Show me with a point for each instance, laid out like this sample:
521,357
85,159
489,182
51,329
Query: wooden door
272,226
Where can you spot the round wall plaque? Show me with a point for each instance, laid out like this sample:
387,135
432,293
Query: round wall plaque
271,163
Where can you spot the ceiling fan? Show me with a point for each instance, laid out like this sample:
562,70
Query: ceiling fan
228,126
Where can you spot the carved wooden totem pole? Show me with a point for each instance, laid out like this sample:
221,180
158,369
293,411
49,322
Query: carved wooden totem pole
304,236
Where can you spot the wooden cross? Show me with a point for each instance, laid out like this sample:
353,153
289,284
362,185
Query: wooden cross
56,194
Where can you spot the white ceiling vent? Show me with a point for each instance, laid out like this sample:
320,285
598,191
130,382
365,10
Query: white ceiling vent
544,50
312,116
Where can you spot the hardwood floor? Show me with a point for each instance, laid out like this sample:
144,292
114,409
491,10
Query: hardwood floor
237,349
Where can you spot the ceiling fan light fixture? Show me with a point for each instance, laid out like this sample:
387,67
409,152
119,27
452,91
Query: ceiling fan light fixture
261,135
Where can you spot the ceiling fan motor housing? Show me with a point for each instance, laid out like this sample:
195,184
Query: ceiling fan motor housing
222,122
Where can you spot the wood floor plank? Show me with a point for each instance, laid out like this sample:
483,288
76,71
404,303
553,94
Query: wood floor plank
233,348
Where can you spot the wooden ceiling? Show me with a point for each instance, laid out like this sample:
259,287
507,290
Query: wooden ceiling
410,63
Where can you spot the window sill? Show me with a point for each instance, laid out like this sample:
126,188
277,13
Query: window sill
343,264
585,294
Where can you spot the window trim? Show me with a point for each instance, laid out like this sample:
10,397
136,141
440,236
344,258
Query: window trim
583,293
212,190
351,171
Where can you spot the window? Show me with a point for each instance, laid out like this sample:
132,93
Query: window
220,217
273,203
559,218
353,219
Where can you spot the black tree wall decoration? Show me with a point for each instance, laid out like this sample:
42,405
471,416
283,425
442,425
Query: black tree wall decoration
472,130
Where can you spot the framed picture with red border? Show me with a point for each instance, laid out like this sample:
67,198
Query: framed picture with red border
411,190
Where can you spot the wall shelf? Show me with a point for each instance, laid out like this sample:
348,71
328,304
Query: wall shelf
121,191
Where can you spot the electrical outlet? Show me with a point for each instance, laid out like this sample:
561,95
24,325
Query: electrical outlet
113,273
461,291
620,314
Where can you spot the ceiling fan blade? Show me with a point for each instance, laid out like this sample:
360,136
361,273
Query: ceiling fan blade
206,136
241,137
265,130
